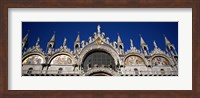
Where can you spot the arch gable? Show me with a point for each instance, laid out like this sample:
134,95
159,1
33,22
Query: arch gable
104,48
98,43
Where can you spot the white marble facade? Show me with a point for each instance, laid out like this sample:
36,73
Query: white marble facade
134,62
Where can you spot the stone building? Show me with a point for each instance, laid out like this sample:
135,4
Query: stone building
99,57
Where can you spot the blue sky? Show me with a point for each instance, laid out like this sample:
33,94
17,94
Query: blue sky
150,31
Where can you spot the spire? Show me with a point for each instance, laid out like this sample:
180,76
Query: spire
142,41
144,46
167,42
24,40
51,43
120,45
26,37
53,38
119,39
78,37
170,47
77,43
155,45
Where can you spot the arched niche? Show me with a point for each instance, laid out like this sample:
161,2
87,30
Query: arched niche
99,47
33,59
98,58
160,60
135,59
62,60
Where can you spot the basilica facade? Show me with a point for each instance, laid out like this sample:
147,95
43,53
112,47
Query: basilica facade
99,57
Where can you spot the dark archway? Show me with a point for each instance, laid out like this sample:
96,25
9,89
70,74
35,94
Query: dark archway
100,74
98,58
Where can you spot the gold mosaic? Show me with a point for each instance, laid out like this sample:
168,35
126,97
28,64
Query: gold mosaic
33,59
134,60
62,60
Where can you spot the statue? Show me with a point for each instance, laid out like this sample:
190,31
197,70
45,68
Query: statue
103,34
98,28
37,43
155,45
95,35
86,43
115,44
90,39
131,42
107,39
83,43
64,42
145,52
